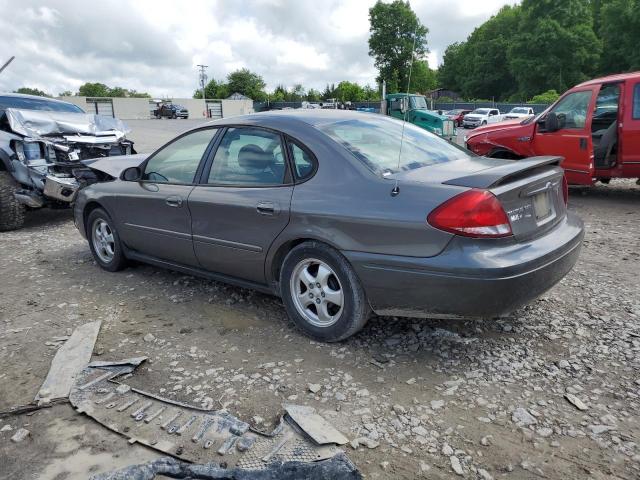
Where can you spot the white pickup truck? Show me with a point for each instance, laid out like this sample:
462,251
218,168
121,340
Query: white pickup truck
519,112
482,116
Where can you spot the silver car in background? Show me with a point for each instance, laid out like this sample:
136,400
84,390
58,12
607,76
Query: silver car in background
327,210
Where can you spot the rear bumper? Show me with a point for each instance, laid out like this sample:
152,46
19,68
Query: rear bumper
470,278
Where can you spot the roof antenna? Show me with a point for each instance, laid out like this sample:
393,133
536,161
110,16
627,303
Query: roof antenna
396,189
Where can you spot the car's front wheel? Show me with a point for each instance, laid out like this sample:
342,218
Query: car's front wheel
104,241
11,211
322,293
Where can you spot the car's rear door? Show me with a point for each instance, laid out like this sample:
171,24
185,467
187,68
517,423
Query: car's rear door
152,214
573,140
242,202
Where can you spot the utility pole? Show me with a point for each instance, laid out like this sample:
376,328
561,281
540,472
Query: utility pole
7,64
203,81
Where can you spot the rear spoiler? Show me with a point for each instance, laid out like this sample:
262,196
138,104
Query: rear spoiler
492,177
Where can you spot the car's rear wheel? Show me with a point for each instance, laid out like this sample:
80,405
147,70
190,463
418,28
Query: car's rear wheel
11,211
104,241
322,293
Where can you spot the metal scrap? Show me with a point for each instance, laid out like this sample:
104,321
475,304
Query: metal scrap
338,467
194,434
68,362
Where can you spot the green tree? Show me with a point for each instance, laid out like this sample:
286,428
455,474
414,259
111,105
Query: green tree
394,29
213,89
423,78
370,93
93,90
555,46
31,91
247,83
66,93
117,92
349,92
313,95
329,92
454,67
619,29
136,94
549,96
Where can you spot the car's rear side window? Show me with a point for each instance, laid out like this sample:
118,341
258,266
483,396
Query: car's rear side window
303,160
178,161
636,102
384,144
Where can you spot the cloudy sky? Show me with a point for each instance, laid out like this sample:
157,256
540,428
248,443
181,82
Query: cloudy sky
155,45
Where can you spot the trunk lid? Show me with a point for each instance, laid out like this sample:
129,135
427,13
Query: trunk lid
530,190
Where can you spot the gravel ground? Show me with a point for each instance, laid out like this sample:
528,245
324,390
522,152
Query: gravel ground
551,392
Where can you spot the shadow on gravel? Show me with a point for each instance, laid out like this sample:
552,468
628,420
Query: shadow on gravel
47,217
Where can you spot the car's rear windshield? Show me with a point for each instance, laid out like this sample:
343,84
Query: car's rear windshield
376,142
26,103
481,111
520,110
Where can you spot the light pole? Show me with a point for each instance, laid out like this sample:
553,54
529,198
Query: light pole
203,80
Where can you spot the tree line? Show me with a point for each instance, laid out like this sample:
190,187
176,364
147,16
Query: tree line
252,85
544,46
88,89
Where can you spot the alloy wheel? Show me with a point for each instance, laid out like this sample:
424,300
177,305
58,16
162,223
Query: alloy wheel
104,242
317,293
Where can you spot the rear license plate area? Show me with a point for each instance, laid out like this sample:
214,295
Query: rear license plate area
542,206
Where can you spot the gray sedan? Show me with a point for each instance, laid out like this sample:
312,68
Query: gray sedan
341,214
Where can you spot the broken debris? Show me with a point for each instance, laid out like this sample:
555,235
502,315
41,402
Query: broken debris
68,362
194,434
338,467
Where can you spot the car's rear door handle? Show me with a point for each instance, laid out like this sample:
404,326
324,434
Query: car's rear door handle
267,208
173,201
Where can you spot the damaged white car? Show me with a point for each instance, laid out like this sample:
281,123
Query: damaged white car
43,143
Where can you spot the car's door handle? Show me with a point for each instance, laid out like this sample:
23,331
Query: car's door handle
173,201
267,208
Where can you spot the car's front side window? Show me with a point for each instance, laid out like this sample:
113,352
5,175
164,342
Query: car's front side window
574,109
636,102
178,161
248,156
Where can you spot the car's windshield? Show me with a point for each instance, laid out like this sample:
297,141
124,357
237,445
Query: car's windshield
481,111
453,112
28,103
376,142
418,103
520,110
178,106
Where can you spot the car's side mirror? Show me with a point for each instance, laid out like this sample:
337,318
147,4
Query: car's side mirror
132,174
551,122
404,105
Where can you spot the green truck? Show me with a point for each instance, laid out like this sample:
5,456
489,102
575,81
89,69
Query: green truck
415,108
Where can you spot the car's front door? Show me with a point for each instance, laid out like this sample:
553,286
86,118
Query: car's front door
153,214
573,139
242,203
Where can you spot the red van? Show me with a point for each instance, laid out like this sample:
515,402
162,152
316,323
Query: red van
595,126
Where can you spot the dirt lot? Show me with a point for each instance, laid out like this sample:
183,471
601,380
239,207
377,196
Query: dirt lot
487,395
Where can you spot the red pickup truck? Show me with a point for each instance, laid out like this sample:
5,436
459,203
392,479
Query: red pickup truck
595,126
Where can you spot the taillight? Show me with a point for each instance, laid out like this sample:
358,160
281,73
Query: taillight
565,189
474,213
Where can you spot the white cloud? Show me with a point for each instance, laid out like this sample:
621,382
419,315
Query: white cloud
155,45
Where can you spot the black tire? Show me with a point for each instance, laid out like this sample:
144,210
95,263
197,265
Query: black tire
355,308
11,211
118,261
484,122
